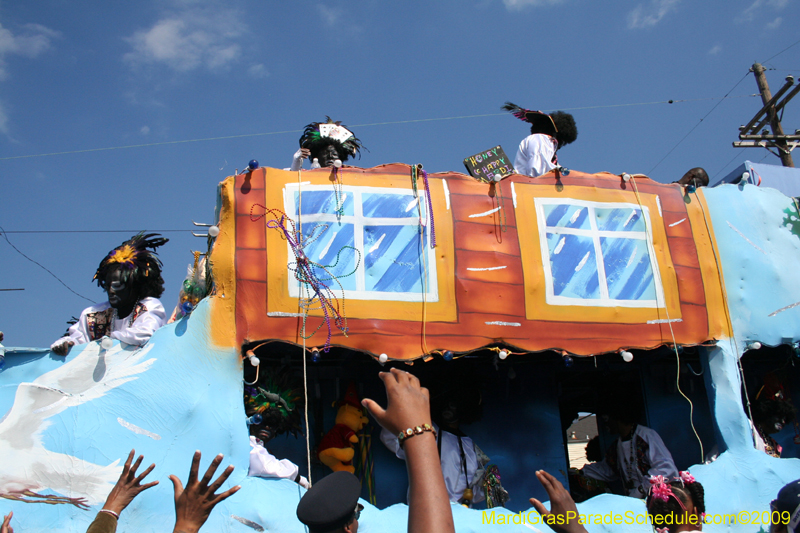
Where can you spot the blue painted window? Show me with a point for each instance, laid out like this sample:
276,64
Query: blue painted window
598,254
389,229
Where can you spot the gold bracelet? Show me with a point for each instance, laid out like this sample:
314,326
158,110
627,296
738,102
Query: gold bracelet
416,430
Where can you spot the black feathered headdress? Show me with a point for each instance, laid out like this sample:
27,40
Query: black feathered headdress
312,136
540,122
135,261
277,400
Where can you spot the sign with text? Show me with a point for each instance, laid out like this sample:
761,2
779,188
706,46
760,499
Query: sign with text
484,165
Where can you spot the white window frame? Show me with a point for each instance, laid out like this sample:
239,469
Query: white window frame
359,221
594,233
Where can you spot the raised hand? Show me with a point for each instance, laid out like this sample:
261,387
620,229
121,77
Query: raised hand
563,514
408,402
194,503
129,485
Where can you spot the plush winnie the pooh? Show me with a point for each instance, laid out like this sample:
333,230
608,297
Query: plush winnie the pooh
336,449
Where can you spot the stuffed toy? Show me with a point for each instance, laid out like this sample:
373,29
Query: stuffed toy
336,449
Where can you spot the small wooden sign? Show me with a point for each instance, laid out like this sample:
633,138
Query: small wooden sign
484,165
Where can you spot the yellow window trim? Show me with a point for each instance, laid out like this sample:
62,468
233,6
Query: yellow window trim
279,276
536,306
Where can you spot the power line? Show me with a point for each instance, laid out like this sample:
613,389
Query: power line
42,266
782,51
737,154
412,121
700,122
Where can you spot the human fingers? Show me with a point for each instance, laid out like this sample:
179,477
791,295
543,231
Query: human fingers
193,470
540,508
135,466
547,481
127,466
7,519
211,469
221,479
145,487
414,380
143,475
177,486
389,378
225,495
377,412
400,375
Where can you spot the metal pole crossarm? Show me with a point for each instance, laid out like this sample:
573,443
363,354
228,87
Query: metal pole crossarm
778,107
770,137
786,148
749,125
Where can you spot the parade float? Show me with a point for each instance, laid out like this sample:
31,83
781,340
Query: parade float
541,293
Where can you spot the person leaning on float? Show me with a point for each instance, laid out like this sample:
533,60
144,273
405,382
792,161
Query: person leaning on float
131,276
324,143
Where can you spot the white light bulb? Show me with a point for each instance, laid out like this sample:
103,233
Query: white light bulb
503,354
106,343
745,176
626,356
383,358
754,346
255,361
626,177
337,163
498,176
213,231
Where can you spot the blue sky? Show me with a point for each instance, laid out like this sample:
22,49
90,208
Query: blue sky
418,82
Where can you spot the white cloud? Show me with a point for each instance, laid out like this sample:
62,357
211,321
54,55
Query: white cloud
144,130
648,15
258,71
330,15
516,5
3,120
194,38
749,14
338,19
32,40
775,23
716,49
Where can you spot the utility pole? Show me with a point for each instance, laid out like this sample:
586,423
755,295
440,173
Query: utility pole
749,135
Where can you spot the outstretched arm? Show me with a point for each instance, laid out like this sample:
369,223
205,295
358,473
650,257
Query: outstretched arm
194,504
409,407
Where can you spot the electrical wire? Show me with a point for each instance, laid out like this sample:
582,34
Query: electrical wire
700,122
649,235
782,51
412,121
43,267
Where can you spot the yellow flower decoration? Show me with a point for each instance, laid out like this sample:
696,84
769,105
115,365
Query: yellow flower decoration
124,254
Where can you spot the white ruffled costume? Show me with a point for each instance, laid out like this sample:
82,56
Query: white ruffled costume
149,320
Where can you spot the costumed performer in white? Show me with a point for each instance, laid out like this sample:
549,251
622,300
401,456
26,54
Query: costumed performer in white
273,408
325,143
463,462
635,455
537,152
131,275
